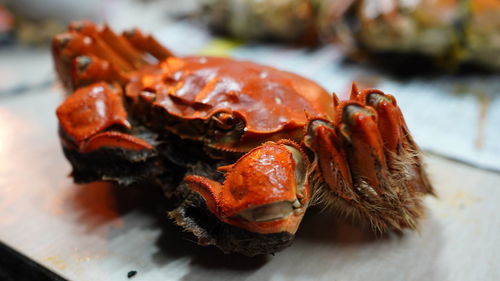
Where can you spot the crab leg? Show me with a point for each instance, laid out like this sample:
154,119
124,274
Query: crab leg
89,53
105,39
324,140
397,139
72,49
94,116
132,45
369,162
364,147
147,44
88,69
71,44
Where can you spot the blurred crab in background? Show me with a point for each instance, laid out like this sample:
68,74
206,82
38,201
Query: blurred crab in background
243,149
448,32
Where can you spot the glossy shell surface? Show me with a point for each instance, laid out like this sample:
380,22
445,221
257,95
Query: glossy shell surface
266,99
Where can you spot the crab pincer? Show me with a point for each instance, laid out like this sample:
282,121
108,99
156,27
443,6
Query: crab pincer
265,191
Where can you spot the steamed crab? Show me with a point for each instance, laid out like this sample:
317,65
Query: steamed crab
262,144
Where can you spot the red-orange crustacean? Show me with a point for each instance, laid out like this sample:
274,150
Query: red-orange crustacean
277,142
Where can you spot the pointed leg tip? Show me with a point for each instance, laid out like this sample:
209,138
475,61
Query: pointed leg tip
354,91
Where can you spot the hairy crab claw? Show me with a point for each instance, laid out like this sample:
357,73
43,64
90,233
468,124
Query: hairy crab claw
265,191
368,161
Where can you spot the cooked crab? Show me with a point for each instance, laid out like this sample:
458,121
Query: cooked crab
255,145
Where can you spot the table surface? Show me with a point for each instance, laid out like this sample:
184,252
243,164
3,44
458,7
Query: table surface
100,232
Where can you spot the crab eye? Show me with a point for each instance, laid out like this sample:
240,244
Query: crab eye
268,212
224,120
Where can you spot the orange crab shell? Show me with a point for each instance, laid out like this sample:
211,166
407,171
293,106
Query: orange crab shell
270,102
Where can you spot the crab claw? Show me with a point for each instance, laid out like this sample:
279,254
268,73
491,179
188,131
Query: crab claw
92,109
89,53
265,191
369,162
87,116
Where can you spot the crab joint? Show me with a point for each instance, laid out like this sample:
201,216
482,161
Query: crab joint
224,120
62,40
82,62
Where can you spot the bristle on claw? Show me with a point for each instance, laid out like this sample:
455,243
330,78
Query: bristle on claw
368,167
